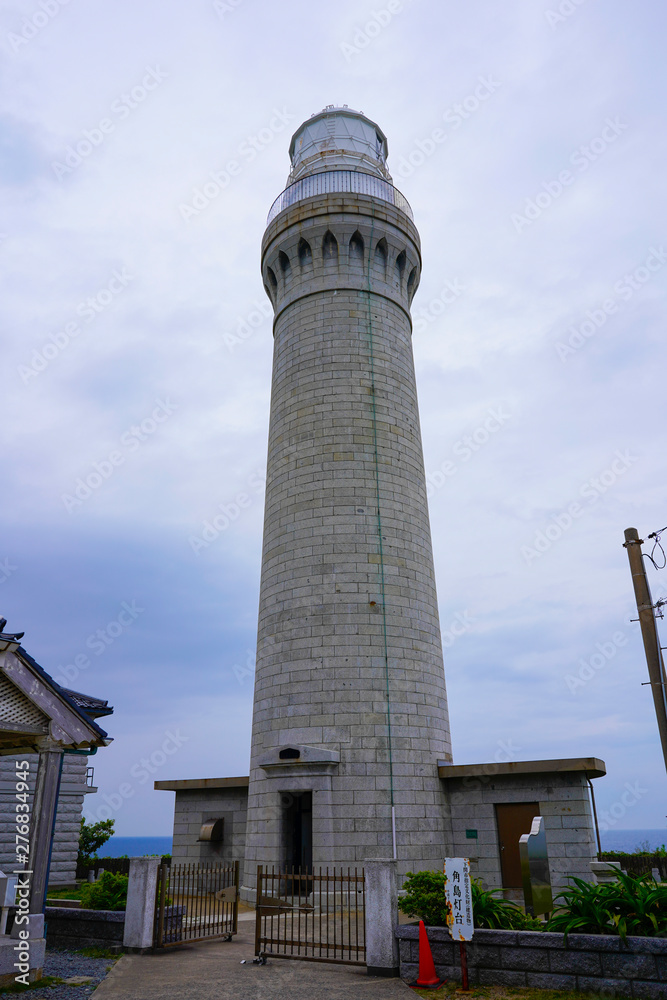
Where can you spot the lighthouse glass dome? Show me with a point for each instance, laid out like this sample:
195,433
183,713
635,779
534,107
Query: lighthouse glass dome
337,151
338,139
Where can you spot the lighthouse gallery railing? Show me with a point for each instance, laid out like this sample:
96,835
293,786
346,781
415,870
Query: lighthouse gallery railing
335,181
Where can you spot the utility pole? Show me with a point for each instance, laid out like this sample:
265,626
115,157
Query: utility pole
654,659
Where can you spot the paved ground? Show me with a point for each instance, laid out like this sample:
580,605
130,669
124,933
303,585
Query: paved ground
214,972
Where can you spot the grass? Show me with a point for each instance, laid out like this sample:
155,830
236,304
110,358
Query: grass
64,893
452,989
98,953
45,981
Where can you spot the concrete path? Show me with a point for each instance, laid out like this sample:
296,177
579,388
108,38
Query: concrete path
214,972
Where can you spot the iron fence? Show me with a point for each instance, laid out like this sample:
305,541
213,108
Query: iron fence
119,866
316,916
339,181
638,864
195,902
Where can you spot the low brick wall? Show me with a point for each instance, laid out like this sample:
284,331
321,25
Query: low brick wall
70,928
588,962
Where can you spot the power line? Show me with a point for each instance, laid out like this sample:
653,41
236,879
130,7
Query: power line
657,544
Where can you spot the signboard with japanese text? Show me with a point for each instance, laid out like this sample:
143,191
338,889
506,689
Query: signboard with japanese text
458,898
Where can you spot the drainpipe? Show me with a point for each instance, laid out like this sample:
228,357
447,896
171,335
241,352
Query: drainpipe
595,816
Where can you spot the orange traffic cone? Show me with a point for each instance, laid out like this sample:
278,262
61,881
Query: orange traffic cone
427,978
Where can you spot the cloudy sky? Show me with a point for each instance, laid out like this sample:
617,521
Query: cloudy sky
529,138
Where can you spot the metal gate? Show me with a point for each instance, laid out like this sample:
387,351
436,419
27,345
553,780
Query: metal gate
317,916
195,902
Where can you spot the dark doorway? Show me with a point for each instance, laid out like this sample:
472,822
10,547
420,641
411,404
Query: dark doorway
298,830
513,820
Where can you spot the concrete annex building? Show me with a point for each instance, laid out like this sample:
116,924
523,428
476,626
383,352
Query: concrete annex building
351,756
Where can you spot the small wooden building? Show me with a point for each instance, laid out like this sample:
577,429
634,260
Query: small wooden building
41,724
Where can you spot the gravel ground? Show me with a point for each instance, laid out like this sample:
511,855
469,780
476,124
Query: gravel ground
65,964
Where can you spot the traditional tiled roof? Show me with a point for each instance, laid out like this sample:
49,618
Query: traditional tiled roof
9,636
93,707
87,706
64,694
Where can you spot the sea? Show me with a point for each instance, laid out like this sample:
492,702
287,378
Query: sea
612,840
632,840
134,847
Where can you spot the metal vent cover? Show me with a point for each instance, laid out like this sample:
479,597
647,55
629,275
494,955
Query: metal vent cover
212,830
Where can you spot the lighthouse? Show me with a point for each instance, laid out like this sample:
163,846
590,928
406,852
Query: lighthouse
350,709
350,750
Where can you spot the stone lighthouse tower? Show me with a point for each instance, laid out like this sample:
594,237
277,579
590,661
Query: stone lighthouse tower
350,708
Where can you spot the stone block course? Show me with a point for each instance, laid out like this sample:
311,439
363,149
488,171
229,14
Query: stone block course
594,942
499,977
629,966
541,939
546,981
648,990
584,963
604,987
533,959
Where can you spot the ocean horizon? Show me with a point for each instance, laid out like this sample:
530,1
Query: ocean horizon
612,840
135,847
632,840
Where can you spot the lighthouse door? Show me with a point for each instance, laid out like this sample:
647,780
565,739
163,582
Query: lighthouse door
298,831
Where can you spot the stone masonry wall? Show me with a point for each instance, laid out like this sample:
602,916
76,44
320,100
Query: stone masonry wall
192,808
599,964
77,928
68,817
564,803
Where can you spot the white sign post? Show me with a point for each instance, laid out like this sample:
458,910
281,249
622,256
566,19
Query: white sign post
458,902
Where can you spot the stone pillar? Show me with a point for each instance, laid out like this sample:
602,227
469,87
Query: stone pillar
140,909
381,917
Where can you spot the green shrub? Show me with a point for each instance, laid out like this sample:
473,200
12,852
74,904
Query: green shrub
108,893
425,899
491,911
630,905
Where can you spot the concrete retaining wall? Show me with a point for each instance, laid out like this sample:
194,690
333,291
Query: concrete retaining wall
68,928
587,962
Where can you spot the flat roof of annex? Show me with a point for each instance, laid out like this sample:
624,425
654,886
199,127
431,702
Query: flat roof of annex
192,784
